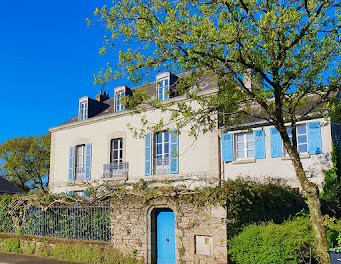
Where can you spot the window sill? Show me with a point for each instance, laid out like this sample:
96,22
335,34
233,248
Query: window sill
302,156
244,161
115,179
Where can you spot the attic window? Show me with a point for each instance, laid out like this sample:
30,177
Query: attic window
120,92
84,110
163,83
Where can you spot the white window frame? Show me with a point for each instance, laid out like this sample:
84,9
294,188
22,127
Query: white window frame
298,144
163,143
164,88
119,150
84,110
80,159
245,146
118,101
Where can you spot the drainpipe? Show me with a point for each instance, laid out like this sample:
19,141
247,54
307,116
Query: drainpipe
220,163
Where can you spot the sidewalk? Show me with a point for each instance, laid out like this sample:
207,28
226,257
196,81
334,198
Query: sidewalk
14,258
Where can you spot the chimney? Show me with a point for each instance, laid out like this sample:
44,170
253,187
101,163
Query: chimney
252,80
102,97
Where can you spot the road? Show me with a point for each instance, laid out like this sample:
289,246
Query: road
13,258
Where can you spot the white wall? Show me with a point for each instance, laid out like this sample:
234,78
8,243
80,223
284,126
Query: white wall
196,158
282,167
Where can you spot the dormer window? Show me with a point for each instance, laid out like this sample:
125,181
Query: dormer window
163,83
83,111
119,106
120,92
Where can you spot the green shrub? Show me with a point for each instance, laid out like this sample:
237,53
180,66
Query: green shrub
287,243
12,245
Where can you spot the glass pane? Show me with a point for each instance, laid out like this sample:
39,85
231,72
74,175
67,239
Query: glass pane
240,138
121,154
159,137
159,149
159,156
240,146
301,130
302,139
249,145
240,154
121,143
167,148
250,154
115,144
161,84
249,137
166,136
302,148
166,82
115,155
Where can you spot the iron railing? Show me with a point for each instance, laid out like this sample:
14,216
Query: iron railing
161,166
76,222
80,173
115,170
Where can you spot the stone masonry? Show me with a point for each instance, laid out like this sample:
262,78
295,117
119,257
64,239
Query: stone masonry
200,233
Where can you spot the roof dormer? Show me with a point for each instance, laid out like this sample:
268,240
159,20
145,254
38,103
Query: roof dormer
164,85
120,92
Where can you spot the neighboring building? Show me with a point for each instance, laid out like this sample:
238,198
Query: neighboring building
7,187
97,146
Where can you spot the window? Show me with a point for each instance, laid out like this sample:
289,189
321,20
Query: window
302,139
163,89
162,152
116,150
80,162
119,106
245,146
84,110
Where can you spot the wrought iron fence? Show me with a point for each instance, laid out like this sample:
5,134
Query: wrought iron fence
76,222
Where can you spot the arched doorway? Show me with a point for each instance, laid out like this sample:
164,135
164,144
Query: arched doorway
163,236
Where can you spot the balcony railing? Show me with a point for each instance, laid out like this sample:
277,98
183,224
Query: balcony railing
116,170
80,173
161,166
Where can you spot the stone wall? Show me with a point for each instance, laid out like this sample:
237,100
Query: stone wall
200,233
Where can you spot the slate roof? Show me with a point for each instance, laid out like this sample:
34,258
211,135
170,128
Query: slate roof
205,84
8,187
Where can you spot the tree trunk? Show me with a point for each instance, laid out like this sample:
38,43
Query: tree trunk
313,201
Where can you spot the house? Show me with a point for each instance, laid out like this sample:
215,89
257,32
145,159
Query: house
97,146
7,187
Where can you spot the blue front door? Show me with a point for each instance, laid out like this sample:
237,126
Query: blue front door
165,230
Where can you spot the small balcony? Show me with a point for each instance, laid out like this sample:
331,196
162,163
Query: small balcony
116,170
161,166
80,173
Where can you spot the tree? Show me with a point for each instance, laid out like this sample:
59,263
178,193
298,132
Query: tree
26,161
293,46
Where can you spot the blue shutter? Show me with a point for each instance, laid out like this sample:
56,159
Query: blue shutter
227,147
148,154
71,164
314,137
71,192
276,143
88,150
174,155
84,193
259,139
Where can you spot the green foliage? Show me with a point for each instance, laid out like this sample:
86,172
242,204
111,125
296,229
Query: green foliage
246,201
6,222
67,252
333,231
270,243
331,194
26,160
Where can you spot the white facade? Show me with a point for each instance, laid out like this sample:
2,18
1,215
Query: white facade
281,167
83,151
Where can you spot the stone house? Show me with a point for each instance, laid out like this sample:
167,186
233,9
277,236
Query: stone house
96,146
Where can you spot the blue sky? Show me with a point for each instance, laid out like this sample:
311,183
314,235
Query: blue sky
48,56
